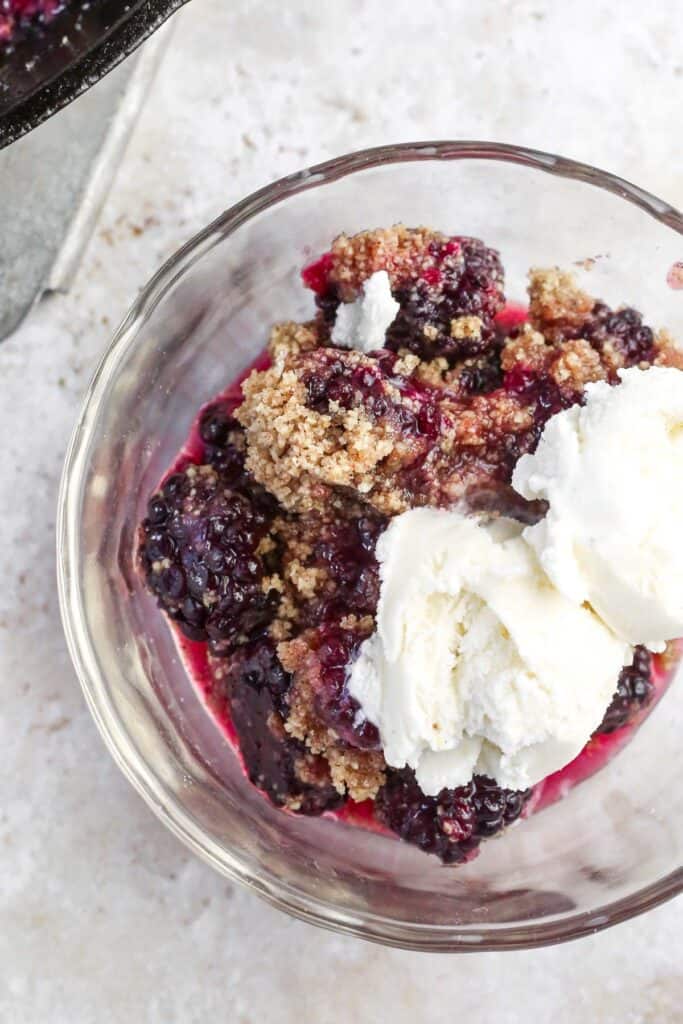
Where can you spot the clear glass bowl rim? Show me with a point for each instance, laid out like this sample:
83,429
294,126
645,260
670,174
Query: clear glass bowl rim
374,927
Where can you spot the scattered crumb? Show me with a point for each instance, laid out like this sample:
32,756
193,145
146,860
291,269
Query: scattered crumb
466,327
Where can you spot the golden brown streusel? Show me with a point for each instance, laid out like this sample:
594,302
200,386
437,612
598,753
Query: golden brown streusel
466,327
438,373
307,581
562,311
671,654
273,582
363,624
360,773
299,454
407,363
527,347
290,339
576,365
312,770
398,250
489,417
573,364
557,306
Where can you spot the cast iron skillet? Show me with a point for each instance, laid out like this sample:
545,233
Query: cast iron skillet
56,62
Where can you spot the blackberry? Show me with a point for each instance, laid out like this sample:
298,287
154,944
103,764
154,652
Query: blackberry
340,380
224,444
328,303
624,329
216,425
482,377
333,382
466,281
452,824
345,550
635,690
334,704
198,553
541,391
256,691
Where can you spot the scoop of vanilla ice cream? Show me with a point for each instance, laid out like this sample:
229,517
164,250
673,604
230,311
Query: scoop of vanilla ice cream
612,472
363,324
477,664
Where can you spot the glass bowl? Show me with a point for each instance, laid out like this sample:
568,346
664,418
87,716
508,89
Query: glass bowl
613,847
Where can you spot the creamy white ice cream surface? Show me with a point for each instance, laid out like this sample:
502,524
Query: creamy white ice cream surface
363,324
478,664
612,473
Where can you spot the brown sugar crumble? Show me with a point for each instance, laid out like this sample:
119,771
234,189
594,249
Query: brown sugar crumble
398,250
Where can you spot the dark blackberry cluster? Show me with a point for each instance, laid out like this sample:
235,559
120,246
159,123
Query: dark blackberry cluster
635,690
198,552
225,450
624,329
224,445
540,390
466,280
256,690
452,824
327,304
345,550
334,704
334,380
338,378
482,376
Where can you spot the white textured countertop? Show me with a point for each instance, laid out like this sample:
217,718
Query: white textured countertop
104,916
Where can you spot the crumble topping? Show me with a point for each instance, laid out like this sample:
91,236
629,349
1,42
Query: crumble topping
298,454
572,365
466,327
557,307
289,339
398,250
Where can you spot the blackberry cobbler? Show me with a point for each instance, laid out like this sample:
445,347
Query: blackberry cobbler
261,545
